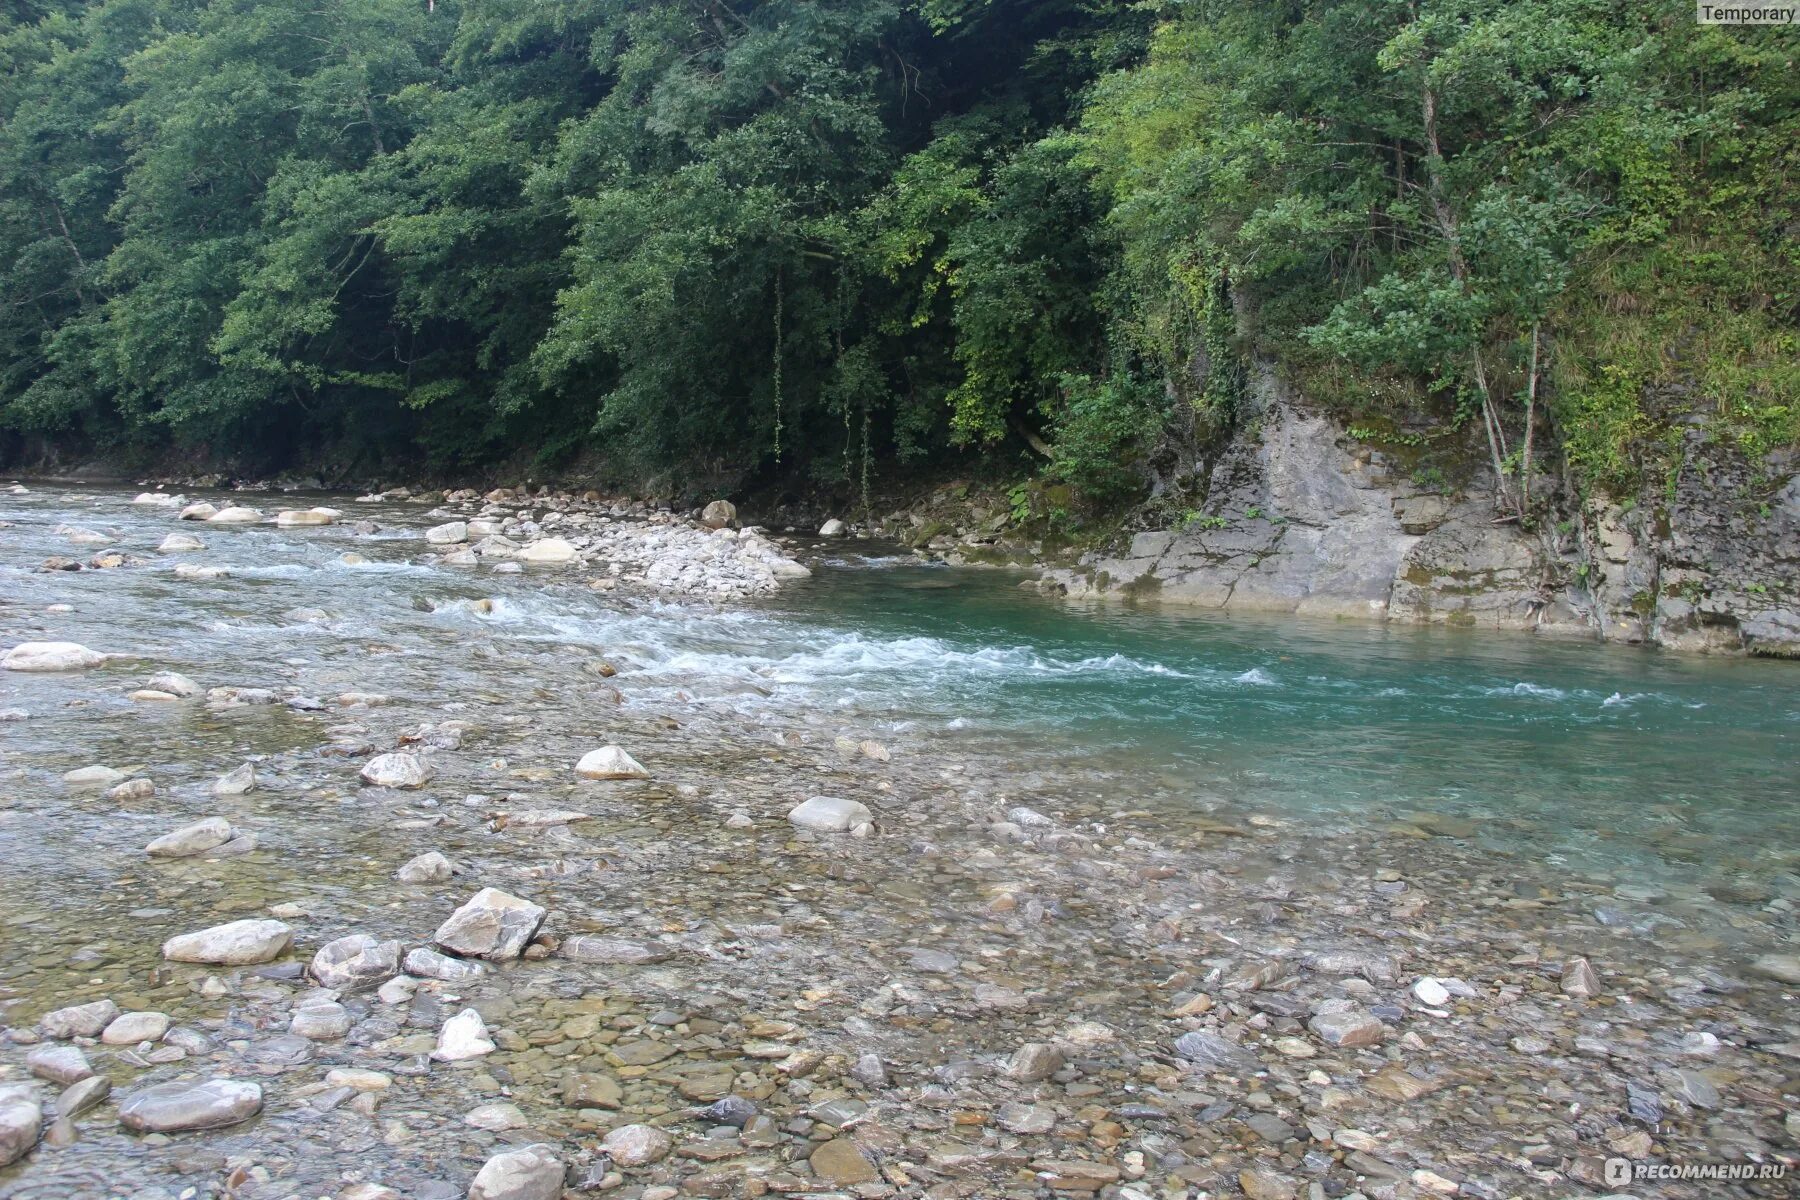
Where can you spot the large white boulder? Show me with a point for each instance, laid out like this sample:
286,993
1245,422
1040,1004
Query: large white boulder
610,762
291,517
549,550
235,943
398,770
237,514
450,533
51,656
180,543
830,814
528,1173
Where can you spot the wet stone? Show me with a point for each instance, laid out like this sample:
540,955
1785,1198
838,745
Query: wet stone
528,1173
190,840
830,814
356,961
20,1117
1214,1052
587,1089
58,1064
128,1029
490,924
81,1096
178,1107
430,867
235,943
841,1163
637,1145
1348,1027
617,951
429,964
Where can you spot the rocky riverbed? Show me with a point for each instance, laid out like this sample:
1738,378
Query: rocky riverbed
321,880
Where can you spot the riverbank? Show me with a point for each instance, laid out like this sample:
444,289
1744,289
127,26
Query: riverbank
1297,512
1032,970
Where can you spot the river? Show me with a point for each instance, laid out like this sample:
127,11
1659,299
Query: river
1224,796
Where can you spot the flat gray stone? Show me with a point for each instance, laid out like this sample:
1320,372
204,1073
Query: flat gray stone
178,1107
236,943
1212,1051
79,1020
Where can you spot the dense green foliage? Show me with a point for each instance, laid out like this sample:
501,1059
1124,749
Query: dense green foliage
740,239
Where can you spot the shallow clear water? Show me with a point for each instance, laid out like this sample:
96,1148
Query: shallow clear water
1603,758
1221,793
1603,755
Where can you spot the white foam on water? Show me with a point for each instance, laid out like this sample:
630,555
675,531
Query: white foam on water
1256,677
1526,688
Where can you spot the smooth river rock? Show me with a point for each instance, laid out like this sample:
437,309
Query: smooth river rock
450,533
128,1029
176,1107
180,543
20,1117
356,961
190,840
82,1095
79,1020
429,964
399,770
610,762
830,814
292,517
174,683
96,776
490,924
50,656
549,551
237,514
588,948
1784,968
59,1064
235,782
236,943
430,867
528,1173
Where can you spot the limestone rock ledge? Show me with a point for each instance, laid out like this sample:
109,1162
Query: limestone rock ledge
1301,518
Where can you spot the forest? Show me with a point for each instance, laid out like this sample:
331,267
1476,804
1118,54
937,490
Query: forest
815,244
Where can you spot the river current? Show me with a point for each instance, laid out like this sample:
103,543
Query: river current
1660,789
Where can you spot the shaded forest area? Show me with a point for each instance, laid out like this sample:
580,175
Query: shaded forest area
742,241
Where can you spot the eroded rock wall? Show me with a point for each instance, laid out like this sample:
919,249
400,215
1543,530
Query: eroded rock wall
1299,517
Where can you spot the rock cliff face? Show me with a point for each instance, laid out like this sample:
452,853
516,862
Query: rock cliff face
1299,517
